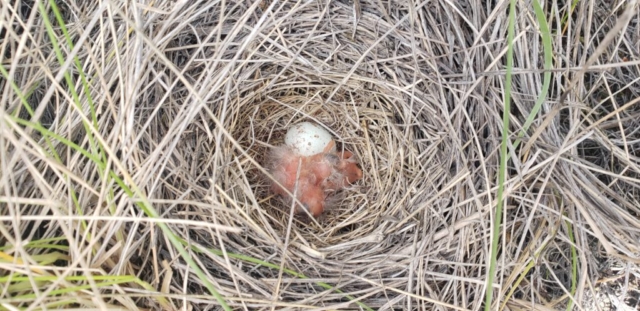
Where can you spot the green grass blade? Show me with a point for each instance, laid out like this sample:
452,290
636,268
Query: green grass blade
548,59
574,265
76,99
86,87
565,17
23,283
43,244
497,221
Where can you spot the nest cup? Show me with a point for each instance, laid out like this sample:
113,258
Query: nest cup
361,121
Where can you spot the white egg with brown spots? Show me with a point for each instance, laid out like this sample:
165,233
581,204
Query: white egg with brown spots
307,139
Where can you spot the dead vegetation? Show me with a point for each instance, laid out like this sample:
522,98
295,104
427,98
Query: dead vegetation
183,100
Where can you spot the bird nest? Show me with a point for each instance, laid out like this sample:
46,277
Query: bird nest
364,122
376,108
189,99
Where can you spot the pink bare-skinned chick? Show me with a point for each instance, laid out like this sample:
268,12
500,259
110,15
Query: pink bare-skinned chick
283,167
328,171
313,199
313,172
346,172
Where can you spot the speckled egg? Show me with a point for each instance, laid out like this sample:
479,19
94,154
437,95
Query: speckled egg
307,139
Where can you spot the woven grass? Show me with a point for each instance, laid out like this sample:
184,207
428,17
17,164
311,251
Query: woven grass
165,145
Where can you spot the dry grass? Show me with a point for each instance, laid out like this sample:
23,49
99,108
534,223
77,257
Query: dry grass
190,95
